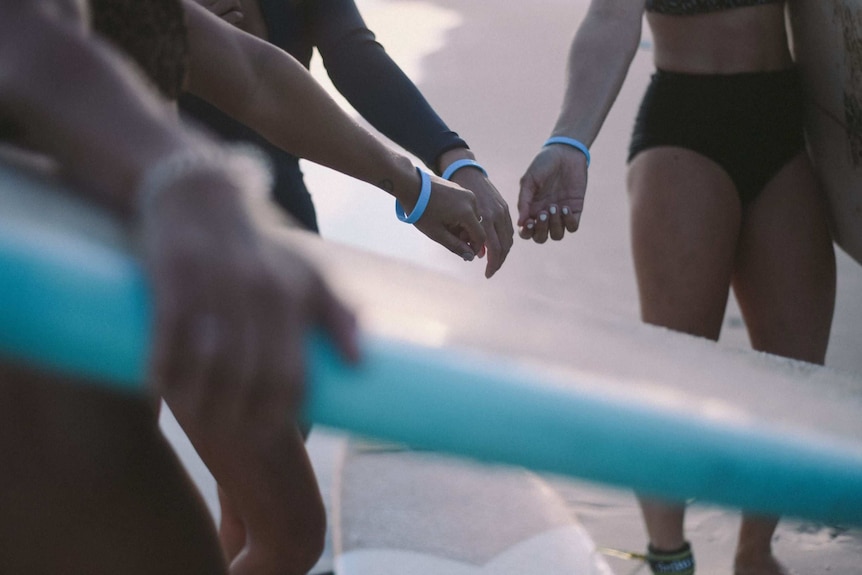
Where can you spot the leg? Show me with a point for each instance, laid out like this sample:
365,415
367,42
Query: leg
785,283
685,223
273,518
89,485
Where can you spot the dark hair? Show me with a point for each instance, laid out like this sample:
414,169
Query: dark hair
152,33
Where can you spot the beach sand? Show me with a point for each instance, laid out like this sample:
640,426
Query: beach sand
499,83
496,77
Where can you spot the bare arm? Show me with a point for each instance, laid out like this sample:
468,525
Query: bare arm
269,91
553,188
599,60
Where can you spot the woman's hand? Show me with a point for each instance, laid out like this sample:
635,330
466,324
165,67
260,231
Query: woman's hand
232,311
493,209
452,219
551,199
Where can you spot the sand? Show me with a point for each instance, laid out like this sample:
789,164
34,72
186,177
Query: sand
499,82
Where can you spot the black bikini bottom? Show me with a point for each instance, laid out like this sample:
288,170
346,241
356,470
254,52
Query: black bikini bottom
750,124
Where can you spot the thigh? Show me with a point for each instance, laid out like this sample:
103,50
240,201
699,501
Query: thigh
685,216
785,270
89,485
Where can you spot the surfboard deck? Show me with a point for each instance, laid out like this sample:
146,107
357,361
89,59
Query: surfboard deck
476,372
827,38
412,513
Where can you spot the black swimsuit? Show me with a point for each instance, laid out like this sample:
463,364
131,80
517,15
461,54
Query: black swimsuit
686,7
749,124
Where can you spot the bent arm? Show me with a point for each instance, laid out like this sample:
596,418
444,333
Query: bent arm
272,93
599,59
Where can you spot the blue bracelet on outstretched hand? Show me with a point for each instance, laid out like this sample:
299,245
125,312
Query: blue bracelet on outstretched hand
458,164
421,203
569,142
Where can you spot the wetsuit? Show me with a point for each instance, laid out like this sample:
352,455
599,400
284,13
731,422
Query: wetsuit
750,124
360,69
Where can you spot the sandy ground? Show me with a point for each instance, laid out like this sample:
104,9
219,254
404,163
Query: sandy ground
499,82
497,79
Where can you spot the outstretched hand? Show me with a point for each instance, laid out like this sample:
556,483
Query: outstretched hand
494,214
551,198
452,220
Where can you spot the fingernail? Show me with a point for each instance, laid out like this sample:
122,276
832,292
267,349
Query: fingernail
530,226
543,217
565,211
553,210
468,256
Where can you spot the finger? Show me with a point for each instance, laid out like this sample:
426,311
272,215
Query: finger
525,201
505,237
571,218
495,252
339,323
556,228
455,244
540,234
475,232
527,230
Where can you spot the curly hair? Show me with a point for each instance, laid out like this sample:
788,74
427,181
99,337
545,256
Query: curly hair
152,33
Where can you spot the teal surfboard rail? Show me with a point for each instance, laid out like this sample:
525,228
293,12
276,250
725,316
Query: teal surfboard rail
75,304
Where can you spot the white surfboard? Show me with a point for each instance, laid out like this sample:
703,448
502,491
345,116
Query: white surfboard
480,373
827,38
401,512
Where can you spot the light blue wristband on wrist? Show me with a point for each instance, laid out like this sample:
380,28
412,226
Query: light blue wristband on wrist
458,164
421,203
569,142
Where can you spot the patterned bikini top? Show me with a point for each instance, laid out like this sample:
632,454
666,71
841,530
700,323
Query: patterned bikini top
687,7
152,33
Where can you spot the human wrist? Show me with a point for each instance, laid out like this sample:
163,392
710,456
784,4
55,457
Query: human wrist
421,203
452,155
570,142
402,181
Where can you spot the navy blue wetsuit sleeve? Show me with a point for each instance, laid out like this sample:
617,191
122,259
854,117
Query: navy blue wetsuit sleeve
373,83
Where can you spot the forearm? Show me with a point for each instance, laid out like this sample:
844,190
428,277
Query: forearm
295,113
53,73
269,91
598,62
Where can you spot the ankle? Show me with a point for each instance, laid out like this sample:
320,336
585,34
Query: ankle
678,561
757,563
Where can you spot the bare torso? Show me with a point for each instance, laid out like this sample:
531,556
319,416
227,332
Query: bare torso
741,40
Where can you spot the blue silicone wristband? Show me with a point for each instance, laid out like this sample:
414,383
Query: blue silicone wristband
570,142
421,203
458,164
